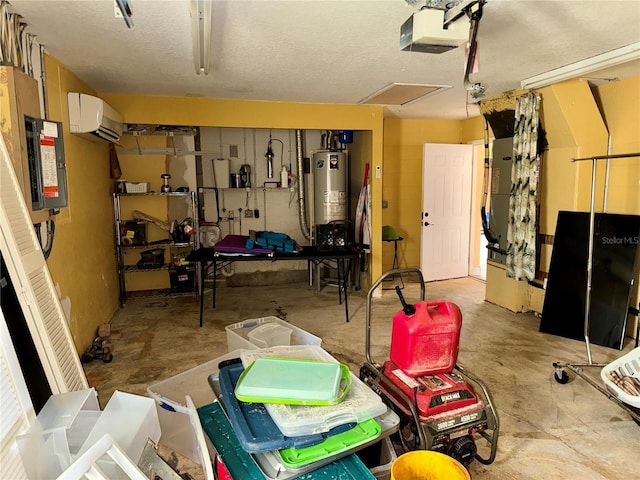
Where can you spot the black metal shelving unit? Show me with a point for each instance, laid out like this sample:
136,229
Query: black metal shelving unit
125,269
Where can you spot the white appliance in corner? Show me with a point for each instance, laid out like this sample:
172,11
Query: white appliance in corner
93,118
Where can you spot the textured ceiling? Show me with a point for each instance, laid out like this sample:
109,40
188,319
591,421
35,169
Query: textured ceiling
320,51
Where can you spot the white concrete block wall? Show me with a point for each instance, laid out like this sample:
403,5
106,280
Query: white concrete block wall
278,207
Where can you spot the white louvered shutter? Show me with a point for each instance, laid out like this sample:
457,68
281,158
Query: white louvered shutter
15,406
33,285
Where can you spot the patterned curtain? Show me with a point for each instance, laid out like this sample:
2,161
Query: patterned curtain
521,231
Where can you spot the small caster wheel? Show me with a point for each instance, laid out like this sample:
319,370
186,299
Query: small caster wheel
107,356
561,376
87,357
635,410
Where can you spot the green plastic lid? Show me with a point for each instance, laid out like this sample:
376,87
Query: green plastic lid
293,382
334,445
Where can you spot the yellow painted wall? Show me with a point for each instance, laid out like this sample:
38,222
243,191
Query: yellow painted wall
574,127
504,291
620,102
472,129
244,113
253,114
147,168
577,119
402,180
588,131
82,262
360,153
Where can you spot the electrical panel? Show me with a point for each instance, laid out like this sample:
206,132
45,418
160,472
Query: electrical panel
45,158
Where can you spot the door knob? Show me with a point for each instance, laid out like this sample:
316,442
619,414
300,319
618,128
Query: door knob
426,224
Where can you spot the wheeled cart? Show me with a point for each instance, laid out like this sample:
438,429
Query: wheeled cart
629,363
626,366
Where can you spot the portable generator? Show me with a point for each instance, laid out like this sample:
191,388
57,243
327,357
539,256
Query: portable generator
435,398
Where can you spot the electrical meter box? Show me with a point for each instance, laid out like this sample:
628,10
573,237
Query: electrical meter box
45,157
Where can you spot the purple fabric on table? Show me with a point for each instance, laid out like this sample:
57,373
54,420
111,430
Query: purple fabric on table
237,244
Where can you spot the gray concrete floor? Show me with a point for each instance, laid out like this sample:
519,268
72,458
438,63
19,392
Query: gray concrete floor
548,430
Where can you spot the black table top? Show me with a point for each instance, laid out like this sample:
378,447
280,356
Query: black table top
208,254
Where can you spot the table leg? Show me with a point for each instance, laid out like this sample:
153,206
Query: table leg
339,264
215,271
396,263
345,279
317,274
203,270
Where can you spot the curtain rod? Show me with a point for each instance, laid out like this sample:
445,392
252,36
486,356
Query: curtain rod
603,157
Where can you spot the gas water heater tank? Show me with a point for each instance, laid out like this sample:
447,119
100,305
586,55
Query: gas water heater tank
330,186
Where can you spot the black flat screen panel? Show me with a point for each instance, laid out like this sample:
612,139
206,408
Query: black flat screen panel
615,246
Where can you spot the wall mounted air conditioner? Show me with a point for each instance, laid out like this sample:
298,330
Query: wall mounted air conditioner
93,118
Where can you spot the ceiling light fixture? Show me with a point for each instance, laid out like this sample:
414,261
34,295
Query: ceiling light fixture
584,67
201,31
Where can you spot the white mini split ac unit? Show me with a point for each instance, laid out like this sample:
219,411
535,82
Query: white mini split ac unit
93,118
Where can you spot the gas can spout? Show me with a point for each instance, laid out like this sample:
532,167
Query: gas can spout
406,308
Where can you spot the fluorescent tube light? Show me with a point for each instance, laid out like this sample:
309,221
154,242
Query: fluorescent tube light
201,31
124,7
584,67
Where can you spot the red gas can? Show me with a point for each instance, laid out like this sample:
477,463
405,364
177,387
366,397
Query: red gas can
426,342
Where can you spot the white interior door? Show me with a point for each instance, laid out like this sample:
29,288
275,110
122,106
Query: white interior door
446,210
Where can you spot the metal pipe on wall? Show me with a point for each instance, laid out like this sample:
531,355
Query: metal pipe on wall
606,177
43,80
302,208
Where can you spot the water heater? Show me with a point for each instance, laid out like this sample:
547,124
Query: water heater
330,187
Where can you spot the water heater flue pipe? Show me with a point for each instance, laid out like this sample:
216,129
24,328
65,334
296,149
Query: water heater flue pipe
302,209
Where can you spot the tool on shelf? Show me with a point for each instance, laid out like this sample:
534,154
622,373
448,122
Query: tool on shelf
245,175
165,188
181,232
